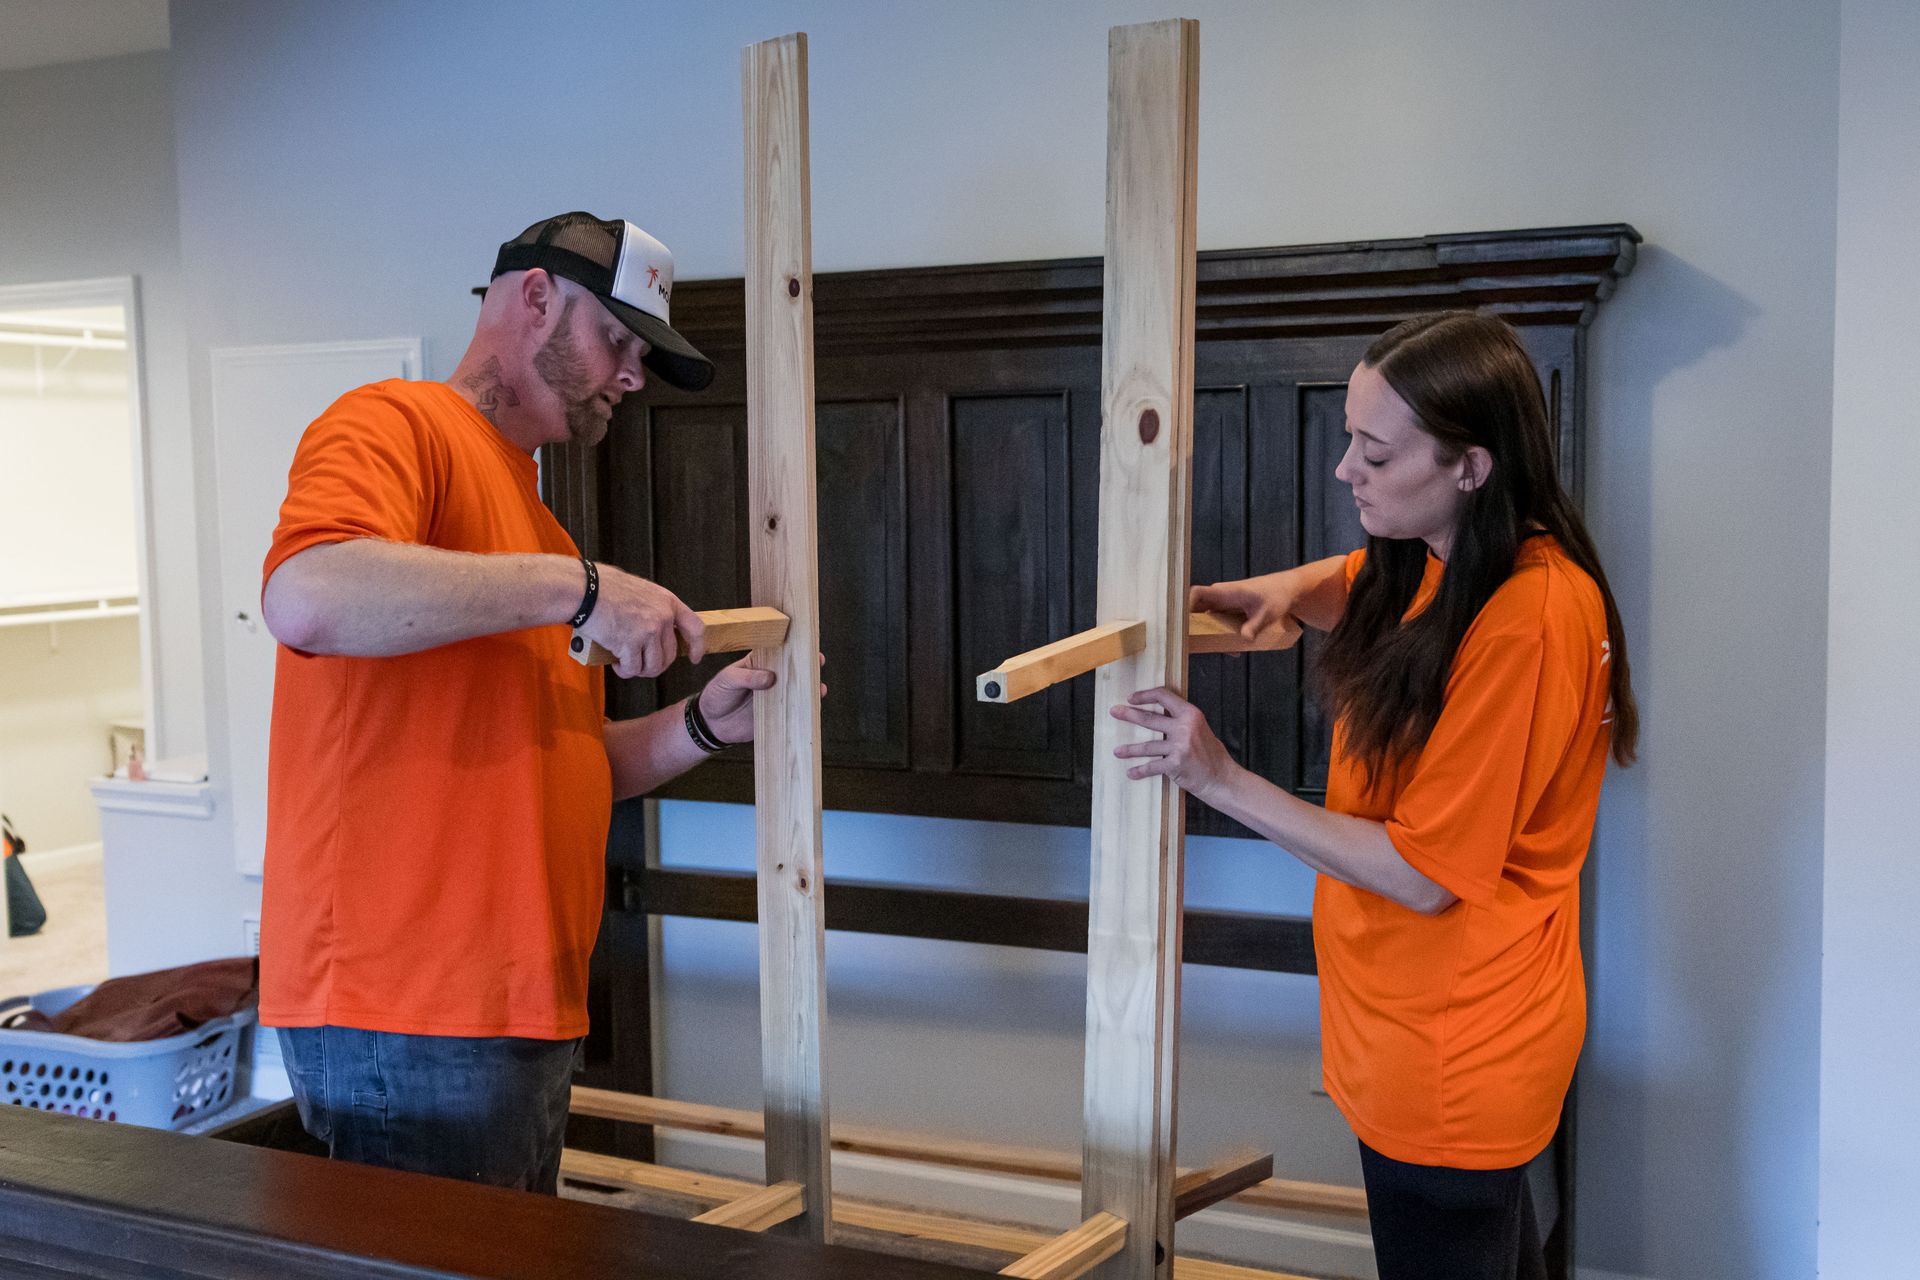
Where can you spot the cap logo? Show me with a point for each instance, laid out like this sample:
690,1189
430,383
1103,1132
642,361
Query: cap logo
643,274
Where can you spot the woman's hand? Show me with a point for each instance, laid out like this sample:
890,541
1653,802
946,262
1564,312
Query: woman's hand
1188,752
727,701
1266,604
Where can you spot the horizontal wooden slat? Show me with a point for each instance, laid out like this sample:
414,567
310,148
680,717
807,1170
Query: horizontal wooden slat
728,631
766,1207
1031,1162
1011,1241
1074,1253
1050,664
1195,1189
1220,633
1231,939
1041,668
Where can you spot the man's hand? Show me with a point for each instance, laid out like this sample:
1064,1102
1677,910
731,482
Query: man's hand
727,701
1189,753
643,625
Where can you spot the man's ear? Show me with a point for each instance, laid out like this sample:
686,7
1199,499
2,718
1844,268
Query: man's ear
539,295
1476,464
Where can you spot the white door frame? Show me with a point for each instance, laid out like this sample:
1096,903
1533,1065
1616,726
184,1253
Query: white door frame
124,292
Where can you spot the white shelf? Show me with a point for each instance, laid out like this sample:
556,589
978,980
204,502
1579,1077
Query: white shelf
83,609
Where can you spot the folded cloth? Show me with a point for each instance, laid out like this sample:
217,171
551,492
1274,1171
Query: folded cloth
152,1006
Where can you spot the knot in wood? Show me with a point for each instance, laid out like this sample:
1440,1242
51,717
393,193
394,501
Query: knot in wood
793,286
1149,426
773,524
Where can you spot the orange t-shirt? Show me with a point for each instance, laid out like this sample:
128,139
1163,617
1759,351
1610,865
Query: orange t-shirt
1450,1039
436,821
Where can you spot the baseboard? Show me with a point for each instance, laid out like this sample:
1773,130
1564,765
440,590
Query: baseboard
48,859
1255,1238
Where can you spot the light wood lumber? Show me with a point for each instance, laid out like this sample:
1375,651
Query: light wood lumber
1074,1253
782,529
1195,1189
1013,1241
767,1207
1050,664
728,631
1220,633
707,1188
1029,1162
1146,390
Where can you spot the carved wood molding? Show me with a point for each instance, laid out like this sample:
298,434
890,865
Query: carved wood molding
1548,276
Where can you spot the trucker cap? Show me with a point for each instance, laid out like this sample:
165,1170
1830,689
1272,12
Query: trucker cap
627,269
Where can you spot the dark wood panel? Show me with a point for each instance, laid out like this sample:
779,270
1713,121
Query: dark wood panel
859,456
88,1198
1010,588
1217,683
1330,525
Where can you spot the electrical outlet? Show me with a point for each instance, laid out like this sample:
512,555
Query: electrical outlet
250,934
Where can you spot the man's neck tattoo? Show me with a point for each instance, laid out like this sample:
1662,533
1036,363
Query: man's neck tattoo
491,391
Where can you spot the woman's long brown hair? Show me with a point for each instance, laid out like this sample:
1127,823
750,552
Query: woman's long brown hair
1469,382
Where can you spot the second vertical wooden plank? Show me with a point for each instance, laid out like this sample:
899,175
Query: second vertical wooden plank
786,753
1146,389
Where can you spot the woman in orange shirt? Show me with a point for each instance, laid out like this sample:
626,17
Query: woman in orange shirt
1477,675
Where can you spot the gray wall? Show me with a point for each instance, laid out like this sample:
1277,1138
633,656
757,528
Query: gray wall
1870,1032
87,190
345,169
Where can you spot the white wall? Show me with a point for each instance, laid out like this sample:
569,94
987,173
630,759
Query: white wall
1870,1033
66,475
87,190
60,686
66,523
346,168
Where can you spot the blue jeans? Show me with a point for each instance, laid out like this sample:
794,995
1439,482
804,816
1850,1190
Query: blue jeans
481,1109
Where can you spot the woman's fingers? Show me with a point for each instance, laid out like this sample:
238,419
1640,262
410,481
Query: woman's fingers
1154,720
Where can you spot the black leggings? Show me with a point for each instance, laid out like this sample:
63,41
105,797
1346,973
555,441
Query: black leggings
1432,1223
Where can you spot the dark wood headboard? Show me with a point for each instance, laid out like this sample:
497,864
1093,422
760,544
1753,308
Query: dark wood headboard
958,441
957,438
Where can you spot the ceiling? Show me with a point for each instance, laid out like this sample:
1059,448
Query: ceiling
40,33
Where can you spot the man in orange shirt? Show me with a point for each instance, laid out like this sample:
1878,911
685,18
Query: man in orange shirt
1478,678
440,773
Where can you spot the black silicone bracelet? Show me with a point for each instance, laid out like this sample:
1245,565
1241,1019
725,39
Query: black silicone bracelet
702,734
592,597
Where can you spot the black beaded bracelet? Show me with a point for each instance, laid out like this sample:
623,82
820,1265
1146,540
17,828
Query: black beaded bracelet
593,594
702,734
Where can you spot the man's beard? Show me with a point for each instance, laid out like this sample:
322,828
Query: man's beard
558,364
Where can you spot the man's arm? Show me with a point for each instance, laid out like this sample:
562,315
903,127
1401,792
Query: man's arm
653,750
367,598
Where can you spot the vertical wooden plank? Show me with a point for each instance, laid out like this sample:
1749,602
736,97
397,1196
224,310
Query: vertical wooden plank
1133,941
786,755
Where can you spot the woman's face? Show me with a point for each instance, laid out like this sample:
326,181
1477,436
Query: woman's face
1399,484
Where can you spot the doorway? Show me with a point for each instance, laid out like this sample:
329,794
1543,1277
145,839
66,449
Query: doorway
76,666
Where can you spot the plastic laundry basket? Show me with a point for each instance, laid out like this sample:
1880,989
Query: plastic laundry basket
162,1084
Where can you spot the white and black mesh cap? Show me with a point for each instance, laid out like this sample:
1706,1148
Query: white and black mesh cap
627,269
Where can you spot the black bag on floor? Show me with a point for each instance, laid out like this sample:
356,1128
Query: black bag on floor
25,911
